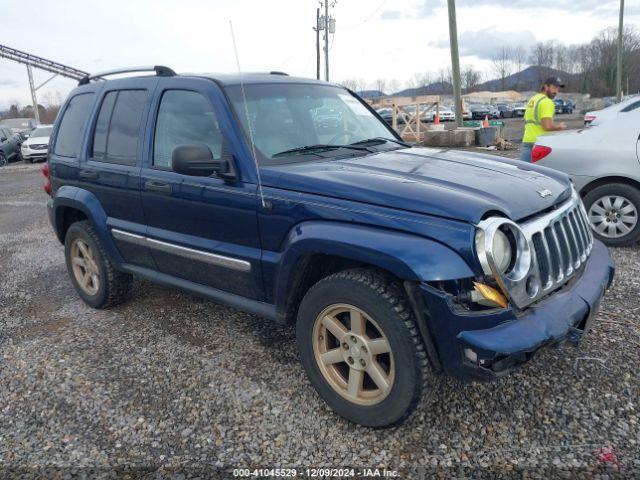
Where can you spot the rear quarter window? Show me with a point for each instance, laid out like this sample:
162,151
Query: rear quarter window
631,107
72,125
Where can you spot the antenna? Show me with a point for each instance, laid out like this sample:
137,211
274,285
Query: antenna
246,112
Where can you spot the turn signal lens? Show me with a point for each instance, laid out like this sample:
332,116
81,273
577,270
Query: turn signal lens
491,294
539,152
47,175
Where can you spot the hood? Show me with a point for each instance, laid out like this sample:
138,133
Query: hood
447,183
36,140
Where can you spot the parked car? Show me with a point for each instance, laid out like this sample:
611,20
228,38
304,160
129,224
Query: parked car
519,109
597,117
563,106
494,112
506,110
479,112
603,163
445,114
9,146
387,116
22,126
35,147
392,262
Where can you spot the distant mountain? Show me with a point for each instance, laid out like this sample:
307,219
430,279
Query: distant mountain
528,79
438,88
371,93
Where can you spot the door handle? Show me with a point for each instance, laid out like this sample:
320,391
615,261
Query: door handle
155,186
88,174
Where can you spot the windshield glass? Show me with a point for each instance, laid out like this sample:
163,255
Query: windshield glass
287,117
42,132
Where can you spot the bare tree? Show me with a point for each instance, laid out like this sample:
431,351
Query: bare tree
350,83
519,61
394,85
471,78
502,64
380,85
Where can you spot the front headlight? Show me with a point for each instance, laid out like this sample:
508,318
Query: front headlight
502,248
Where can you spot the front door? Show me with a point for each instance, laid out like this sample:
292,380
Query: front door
200,229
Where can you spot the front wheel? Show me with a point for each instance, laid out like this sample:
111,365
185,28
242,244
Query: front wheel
613,212
3,159
360,347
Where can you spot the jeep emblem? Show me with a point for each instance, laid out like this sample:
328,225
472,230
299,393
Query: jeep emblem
545,193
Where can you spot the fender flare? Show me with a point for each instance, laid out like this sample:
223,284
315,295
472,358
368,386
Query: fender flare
408,257
87,203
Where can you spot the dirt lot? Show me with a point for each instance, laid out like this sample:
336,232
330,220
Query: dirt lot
170,384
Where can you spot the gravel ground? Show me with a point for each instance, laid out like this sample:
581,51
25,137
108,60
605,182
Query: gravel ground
169,384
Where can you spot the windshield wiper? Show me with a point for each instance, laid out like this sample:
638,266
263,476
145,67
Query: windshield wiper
380,140
319,148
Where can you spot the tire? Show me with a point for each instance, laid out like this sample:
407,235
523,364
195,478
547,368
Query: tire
112,285
3,160
383,303
627,212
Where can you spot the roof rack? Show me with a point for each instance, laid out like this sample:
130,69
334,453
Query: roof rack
279,73
161,71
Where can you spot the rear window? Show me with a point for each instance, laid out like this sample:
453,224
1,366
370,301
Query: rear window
631,107
69,138
115,139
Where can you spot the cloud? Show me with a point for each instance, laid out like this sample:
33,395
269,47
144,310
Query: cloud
486,42
428,7
391,15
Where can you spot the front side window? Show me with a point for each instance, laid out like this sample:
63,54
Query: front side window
74,120
115,139
184,118
284,117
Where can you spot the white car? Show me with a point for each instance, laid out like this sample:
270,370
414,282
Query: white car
444,113
604,164
36,147
597,117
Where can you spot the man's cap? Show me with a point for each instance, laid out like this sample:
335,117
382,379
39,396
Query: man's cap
557,81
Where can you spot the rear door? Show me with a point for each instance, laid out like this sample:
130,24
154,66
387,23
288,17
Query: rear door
111,169
201,229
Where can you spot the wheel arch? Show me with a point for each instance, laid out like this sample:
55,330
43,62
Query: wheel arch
72,204
317,249
599,182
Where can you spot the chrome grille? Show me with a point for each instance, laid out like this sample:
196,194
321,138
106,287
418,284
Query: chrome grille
561,241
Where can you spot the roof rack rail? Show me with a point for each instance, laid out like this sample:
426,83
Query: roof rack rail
275,72
161,71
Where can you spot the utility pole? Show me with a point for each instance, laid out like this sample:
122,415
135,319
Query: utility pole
317,29
455,61
326,40
619,66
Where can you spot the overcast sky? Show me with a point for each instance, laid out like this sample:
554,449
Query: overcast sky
374,38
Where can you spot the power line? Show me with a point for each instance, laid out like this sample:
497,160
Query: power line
369,17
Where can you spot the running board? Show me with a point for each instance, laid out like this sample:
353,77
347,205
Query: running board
248,305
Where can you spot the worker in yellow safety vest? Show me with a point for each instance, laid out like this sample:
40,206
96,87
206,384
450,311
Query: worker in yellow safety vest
538,117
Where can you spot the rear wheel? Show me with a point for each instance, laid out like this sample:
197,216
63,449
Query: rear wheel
613,212
3,159
92,274
360,347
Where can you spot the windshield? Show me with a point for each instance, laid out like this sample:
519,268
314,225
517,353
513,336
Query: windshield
285,118
42,132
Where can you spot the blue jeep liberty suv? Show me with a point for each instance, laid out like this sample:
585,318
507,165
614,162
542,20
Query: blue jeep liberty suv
291,199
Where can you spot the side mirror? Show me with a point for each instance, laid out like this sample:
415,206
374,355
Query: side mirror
3,139
197,160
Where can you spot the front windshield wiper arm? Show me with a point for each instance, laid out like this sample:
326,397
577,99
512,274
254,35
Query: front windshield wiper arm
381,140
319,147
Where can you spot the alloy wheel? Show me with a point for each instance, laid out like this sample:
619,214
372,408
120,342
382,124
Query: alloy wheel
613,216
353,354
85,268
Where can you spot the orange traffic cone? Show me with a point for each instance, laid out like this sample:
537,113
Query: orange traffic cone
485,124
436,119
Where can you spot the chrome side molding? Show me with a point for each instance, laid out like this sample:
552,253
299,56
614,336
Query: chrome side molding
190,253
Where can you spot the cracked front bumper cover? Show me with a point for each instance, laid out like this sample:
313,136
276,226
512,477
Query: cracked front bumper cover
500,340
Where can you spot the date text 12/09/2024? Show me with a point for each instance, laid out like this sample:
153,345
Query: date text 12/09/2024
315,473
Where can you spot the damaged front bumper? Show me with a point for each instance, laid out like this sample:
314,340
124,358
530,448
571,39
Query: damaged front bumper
483,346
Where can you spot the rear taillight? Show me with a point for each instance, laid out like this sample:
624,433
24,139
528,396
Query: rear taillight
589,118
539,152
47,175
